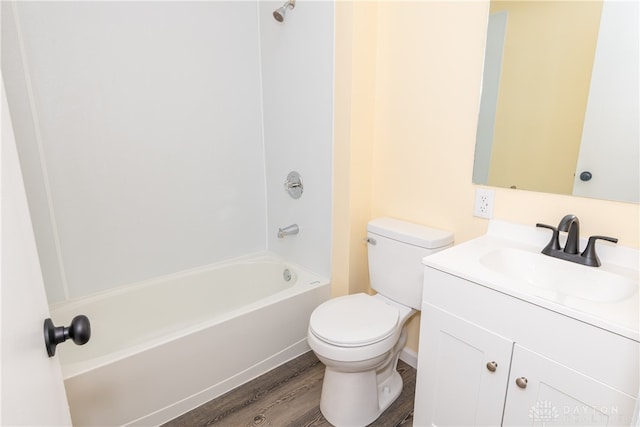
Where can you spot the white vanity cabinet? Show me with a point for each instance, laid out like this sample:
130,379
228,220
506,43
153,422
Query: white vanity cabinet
489,358
554,394
466,366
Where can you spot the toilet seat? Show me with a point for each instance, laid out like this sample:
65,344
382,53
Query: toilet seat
354,321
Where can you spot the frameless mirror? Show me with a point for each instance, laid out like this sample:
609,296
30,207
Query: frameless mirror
559,108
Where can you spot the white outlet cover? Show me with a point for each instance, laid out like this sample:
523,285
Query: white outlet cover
483,206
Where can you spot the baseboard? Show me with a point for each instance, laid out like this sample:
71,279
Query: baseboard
409,357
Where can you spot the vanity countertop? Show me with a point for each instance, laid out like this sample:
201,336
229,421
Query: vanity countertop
508,260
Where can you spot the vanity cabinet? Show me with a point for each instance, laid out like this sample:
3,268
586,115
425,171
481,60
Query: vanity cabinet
466,366
488,358
543,391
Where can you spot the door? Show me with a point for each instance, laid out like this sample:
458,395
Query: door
31,382
609,149
462,372
544,392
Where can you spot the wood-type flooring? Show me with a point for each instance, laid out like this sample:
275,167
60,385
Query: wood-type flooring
289,396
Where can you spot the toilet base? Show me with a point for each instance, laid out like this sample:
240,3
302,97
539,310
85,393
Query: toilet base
354,399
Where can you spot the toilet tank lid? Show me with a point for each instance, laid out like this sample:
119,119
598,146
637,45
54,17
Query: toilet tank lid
413,234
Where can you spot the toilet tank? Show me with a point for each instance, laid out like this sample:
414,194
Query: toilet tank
395,252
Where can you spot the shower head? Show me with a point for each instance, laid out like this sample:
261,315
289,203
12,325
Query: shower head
279,13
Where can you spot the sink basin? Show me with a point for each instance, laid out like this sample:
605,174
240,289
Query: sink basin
507,259
561,278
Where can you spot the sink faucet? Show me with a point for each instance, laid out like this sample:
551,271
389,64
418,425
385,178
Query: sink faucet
571,224
571,251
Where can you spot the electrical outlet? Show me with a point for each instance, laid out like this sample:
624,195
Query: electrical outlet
483,206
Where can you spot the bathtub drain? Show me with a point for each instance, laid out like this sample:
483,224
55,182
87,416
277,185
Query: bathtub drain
286,274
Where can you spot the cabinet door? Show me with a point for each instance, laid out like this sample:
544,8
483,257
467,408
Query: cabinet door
554,394
457,383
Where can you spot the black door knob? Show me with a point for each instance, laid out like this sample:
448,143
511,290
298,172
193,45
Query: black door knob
586,176
79,331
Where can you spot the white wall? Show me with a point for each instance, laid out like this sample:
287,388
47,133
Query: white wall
297,72
142,129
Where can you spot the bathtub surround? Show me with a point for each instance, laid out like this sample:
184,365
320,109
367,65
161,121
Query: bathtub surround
297,103
155,136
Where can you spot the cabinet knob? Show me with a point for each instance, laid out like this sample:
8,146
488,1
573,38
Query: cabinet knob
521,382
492,366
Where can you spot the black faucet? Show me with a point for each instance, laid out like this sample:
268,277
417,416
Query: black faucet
571,251
571,224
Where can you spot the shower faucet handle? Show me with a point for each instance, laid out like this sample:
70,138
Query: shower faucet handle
293,185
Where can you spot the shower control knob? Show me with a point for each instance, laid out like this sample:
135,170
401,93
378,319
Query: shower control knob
79,331
293,185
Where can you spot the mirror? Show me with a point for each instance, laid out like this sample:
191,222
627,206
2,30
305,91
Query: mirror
559,108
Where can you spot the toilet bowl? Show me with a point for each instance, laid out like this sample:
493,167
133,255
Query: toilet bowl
360,351
359,337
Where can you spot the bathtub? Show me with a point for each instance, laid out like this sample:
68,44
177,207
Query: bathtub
165,346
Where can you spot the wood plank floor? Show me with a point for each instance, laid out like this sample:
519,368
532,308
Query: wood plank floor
289,395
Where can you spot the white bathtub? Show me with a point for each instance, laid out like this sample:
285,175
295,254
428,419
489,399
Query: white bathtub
165,346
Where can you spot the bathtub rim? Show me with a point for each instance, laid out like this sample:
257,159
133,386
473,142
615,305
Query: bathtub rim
151,281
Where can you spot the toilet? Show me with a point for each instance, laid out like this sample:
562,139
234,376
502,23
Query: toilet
359,337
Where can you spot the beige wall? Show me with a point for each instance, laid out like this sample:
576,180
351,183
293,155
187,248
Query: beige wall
353,133
420,66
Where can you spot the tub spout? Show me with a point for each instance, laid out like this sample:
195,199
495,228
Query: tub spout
288,231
